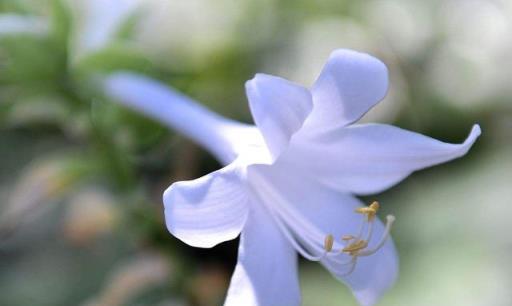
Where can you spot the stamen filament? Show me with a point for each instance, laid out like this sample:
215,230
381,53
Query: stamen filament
390,219
355,246
353,261
361,229
370,230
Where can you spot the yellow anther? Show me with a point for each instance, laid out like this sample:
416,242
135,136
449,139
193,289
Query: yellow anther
375,206
328,243
355,247
363,210
369,211
358,245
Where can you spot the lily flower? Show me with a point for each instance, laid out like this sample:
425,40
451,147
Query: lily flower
290,183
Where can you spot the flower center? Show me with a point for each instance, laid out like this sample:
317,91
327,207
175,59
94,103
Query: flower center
357,246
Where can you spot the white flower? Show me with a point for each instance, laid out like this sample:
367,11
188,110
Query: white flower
290,190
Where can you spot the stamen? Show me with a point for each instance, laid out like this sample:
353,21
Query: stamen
370,230
369,211
375,206
328,243
347,237
355,245
389,223
361,229
353,263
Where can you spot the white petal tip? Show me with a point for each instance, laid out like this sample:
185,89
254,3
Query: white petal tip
366,299
346,52
258,78
476,131
357,56
260,75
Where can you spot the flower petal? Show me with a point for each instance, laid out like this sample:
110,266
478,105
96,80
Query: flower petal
224,138
279,108
207,211
349,85
308,211
366,159
266,272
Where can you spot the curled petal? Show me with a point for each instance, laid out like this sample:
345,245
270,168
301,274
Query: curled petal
350,84
279,108
366,159
206,211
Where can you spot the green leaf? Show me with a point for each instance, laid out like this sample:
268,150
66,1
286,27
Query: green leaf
27,59
114,57
61,23
127,27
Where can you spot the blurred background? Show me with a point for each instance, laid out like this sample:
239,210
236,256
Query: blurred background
81,178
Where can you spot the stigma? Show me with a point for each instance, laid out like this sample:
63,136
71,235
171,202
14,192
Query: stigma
357,245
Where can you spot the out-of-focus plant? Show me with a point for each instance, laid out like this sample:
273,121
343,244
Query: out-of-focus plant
130,278
48,63
44,89
44,182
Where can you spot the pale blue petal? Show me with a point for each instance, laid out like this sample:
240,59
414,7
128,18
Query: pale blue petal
266,272
279,108
207,211
349,85
366,159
